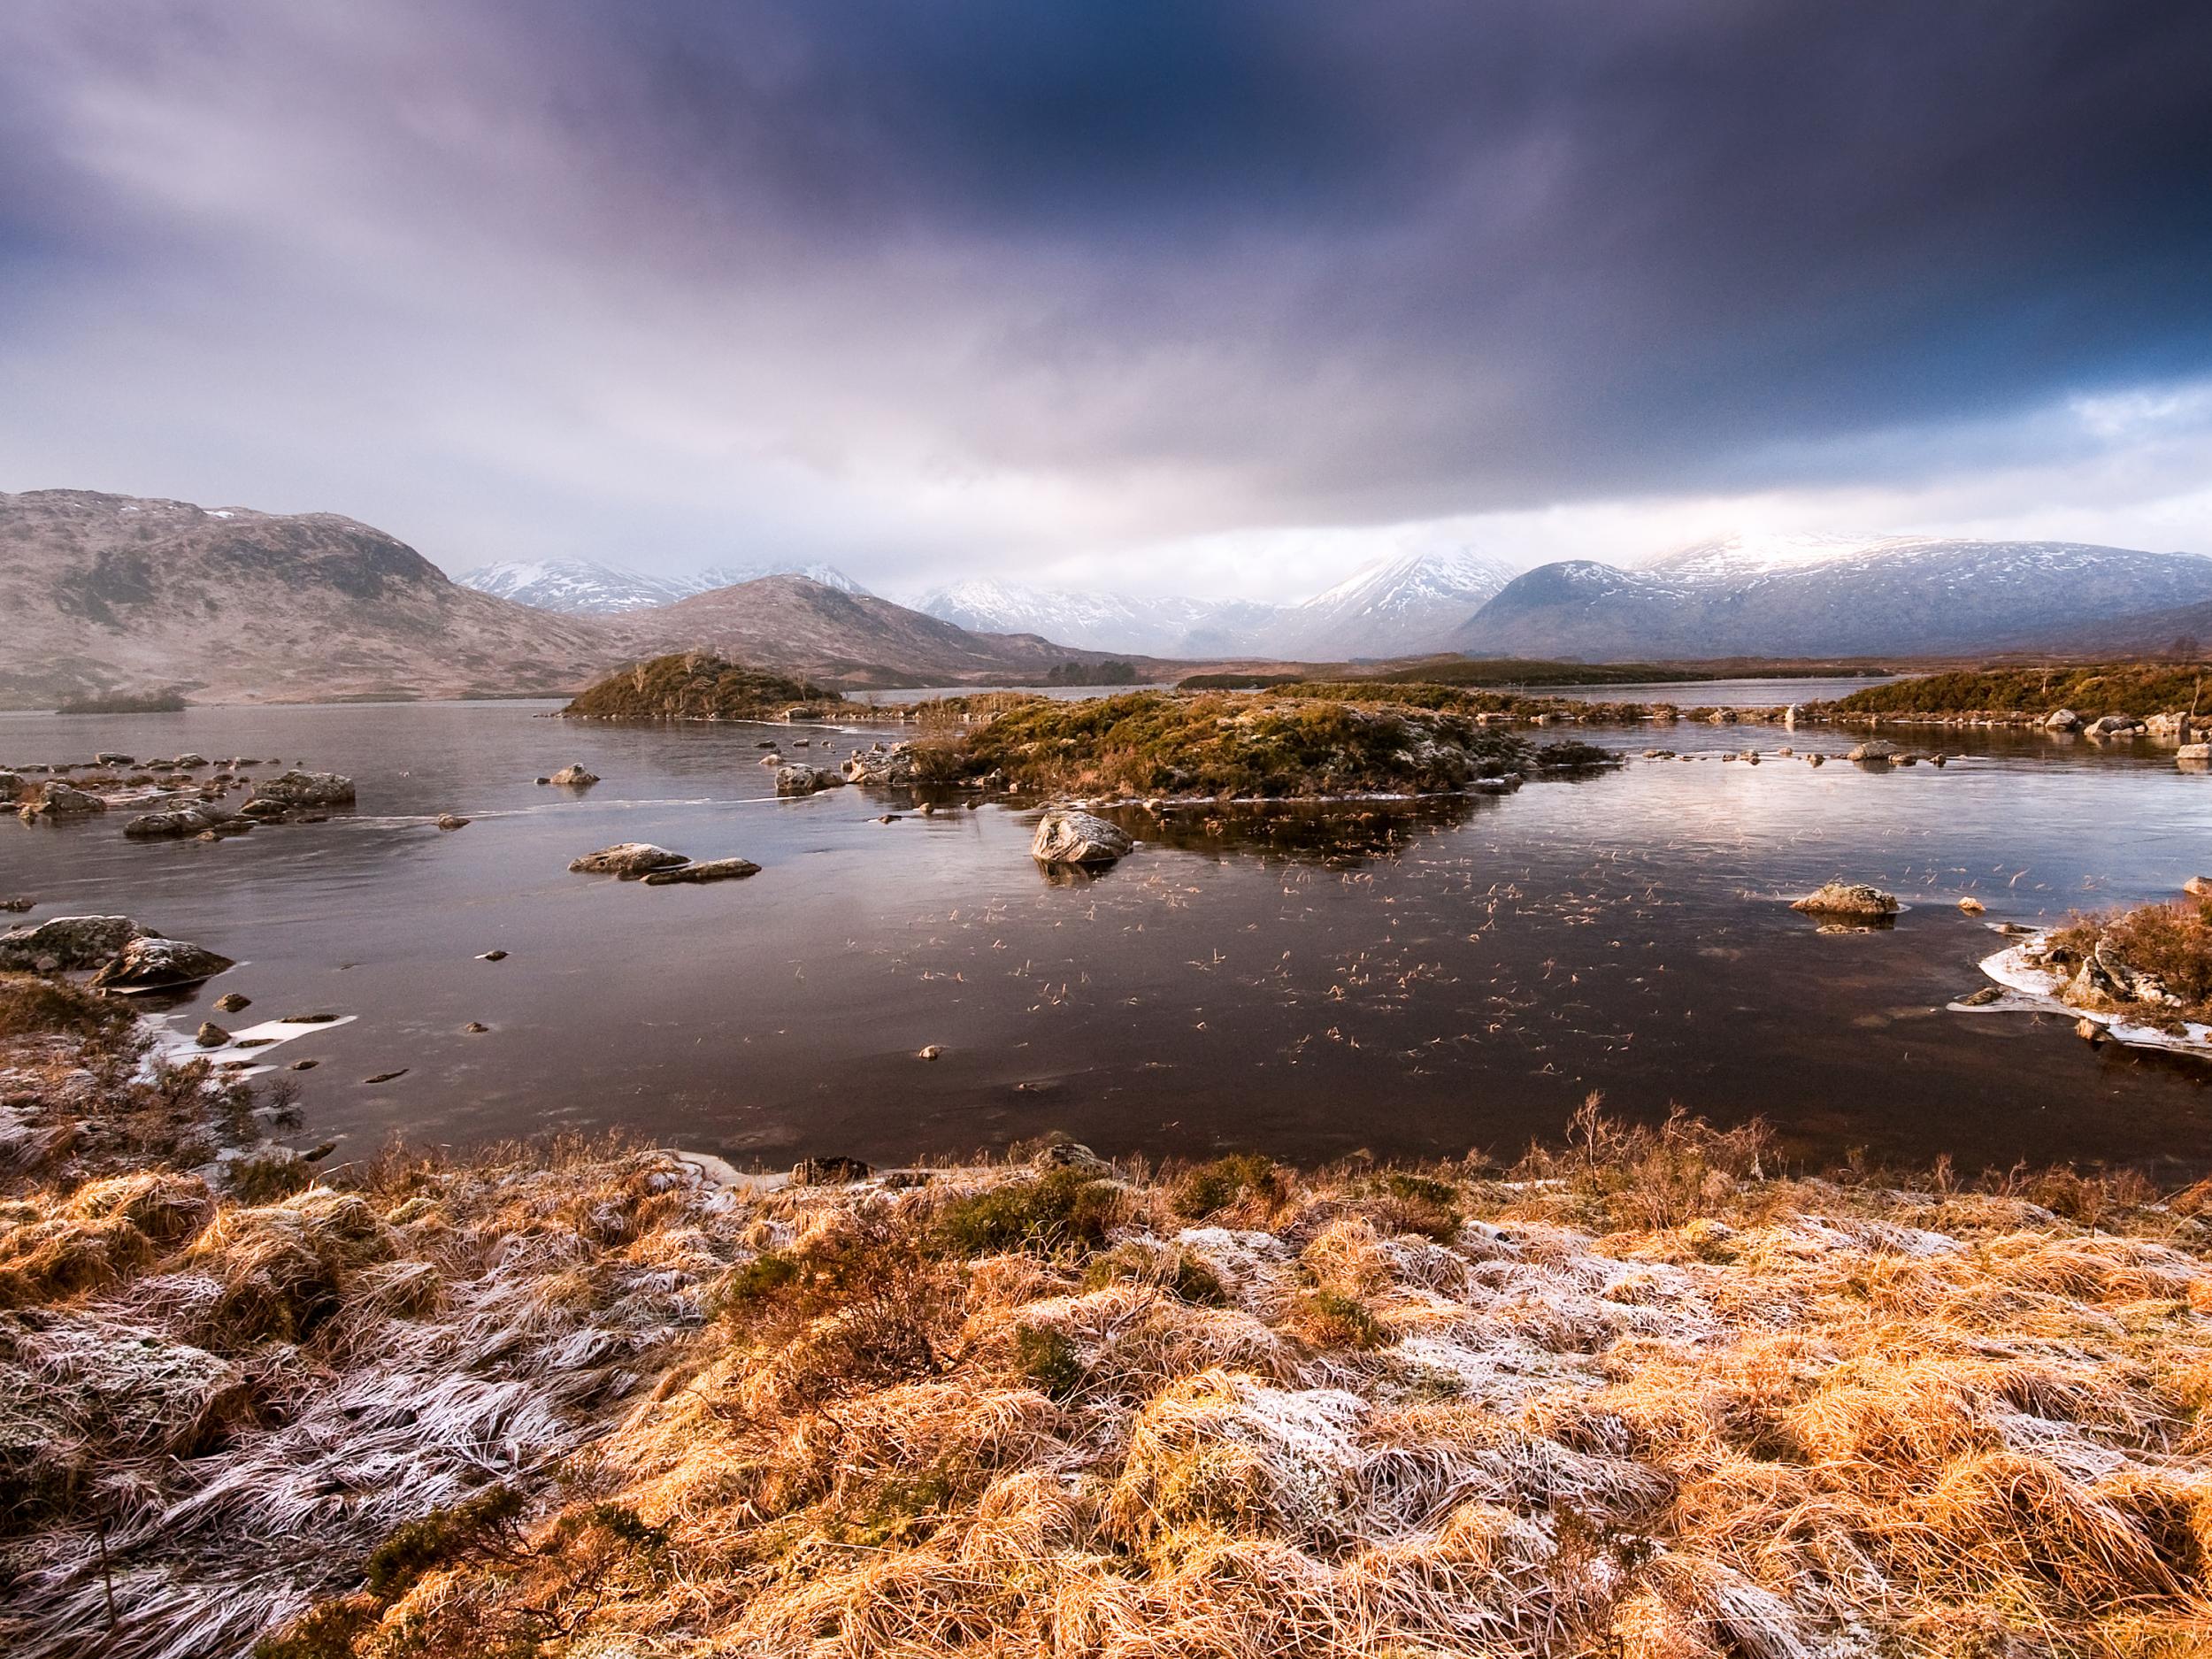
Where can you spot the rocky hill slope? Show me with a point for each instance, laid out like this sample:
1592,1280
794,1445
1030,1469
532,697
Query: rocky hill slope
1895,594
110,593
799,626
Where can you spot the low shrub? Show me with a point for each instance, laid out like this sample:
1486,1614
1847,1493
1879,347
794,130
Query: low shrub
1212,1187
1062,1209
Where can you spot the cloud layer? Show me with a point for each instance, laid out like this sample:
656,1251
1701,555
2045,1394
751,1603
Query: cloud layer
1137,292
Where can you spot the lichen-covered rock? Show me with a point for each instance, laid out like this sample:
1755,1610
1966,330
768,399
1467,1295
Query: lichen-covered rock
705,870
890,766
306,788
1854,899
189,821
1065,836
806,780
151,963
68,941
628,860
55,799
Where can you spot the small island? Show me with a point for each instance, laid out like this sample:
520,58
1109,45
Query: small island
698,686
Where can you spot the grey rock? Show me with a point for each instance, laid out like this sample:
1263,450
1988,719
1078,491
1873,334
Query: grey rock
69,941
628,860
1065,836
796,780
152,963
54,799
883,766
173,825
1849,899
1874,751
576,777
705,870
306,788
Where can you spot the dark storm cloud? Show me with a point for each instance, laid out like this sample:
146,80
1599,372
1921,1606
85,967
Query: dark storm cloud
1309,262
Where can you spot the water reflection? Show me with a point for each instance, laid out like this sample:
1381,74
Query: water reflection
1410,978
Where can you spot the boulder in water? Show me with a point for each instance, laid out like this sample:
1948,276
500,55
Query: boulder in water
806,780
576,777
705,870
153,964
54,799
628,860
1854,900
1065,836
306,788
189,821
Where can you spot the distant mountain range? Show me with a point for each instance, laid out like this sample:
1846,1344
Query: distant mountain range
1831,597
584,587
1396,606
103,593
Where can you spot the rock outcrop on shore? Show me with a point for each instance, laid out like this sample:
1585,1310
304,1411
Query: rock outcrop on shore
881,766
151,963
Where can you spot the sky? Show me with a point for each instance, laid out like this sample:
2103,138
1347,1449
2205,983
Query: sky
1219,296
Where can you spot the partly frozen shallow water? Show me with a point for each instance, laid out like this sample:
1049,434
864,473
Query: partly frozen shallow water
1409,982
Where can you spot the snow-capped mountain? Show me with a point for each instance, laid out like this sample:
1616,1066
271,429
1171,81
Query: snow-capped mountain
1827,597
1395,606
1103,622
583,586
577,586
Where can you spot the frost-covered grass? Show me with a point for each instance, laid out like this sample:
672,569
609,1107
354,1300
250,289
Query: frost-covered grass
1646,1397
1645,1393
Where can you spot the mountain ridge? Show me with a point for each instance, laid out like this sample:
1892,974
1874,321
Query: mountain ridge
590,587
1399,605
1893,595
